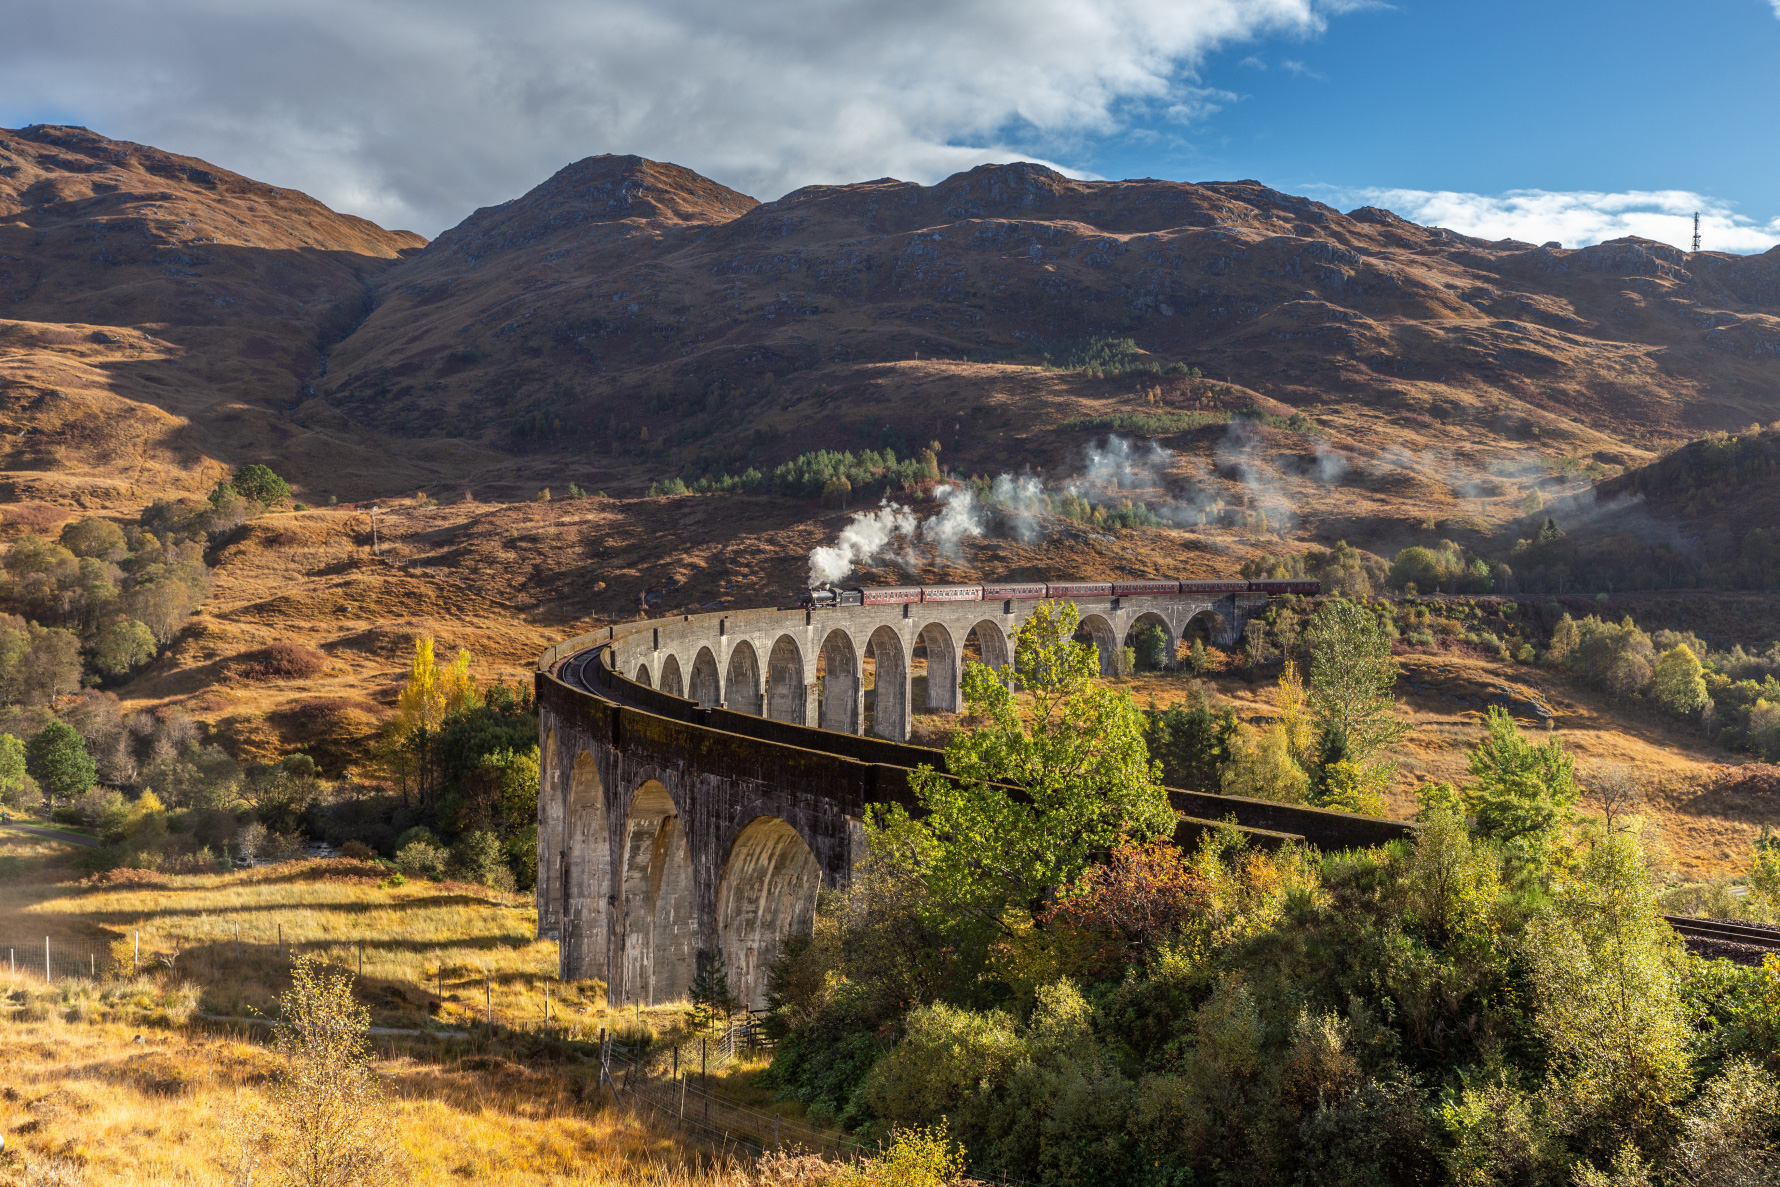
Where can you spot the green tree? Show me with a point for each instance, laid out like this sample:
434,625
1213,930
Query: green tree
92,537
17,788
1150,646
1566,636
1679,682
1522,793
1028,799
58,760
1192,743
1262,767
1453,879
1352,677
1425,568
123,647
709,991
260,484
1606,971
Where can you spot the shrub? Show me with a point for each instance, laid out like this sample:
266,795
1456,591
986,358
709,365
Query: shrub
419,859
326,1122
916,1158
279,661
357,851
477,857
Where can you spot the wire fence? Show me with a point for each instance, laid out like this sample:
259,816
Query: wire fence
54,959
674,1087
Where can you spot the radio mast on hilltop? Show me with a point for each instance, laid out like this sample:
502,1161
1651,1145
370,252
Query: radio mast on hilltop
1696,230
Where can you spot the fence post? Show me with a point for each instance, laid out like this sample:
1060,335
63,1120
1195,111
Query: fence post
488,998
46,974
237,941
361,960
136,953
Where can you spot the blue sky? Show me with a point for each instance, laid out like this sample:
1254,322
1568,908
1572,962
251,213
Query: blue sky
1573,95
1575,120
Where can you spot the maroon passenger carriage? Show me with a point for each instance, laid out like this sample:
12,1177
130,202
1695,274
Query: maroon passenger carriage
820,596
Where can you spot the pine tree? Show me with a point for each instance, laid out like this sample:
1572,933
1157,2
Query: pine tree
710,990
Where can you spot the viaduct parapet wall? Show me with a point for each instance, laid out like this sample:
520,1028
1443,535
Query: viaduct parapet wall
692,803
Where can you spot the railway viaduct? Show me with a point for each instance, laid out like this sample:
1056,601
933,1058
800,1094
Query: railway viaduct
703,776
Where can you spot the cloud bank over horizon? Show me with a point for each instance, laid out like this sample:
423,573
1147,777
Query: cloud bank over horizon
1575,219
414,114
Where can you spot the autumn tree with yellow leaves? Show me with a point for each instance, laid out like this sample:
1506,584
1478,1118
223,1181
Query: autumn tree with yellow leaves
432,696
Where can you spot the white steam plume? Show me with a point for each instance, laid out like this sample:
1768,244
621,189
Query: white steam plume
1021,500
868,534
961,517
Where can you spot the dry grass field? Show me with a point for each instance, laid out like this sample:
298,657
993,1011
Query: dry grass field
125,1079
127,1102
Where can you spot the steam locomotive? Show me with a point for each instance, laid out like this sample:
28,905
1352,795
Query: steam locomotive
818,597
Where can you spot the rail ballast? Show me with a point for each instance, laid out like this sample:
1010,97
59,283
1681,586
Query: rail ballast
819,596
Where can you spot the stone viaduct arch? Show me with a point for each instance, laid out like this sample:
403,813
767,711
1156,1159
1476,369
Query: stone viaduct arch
741,690
940,690
659,926
678,827
705,687
670,676
767,893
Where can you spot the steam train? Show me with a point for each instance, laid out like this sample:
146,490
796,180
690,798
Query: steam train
818,597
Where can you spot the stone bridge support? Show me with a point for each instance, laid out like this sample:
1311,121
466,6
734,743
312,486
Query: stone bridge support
664,839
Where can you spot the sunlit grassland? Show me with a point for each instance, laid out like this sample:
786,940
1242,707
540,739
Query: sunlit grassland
444,952
155,1111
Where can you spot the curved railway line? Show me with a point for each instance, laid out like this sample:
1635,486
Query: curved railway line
704,775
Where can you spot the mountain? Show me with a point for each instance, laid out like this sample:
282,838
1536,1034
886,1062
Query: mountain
623,295
628,322
1143,378
158,316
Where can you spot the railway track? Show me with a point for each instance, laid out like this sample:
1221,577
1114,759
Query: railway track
1711,931
1718,929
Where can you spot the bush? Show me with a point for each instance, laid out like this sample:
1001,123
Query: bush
357,851
279,661
419,859
477,857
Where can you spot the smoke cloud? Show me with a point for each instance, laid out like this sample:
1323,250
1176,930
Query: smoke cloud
961,518
1251,485
870,533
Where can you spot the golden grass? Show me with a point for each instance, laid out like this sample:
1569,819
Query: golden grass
482,943
80,1087
132,1106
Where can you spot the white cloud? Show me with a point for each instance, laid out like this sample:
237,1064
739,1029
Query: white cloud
412,112
1576,219
1301,70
